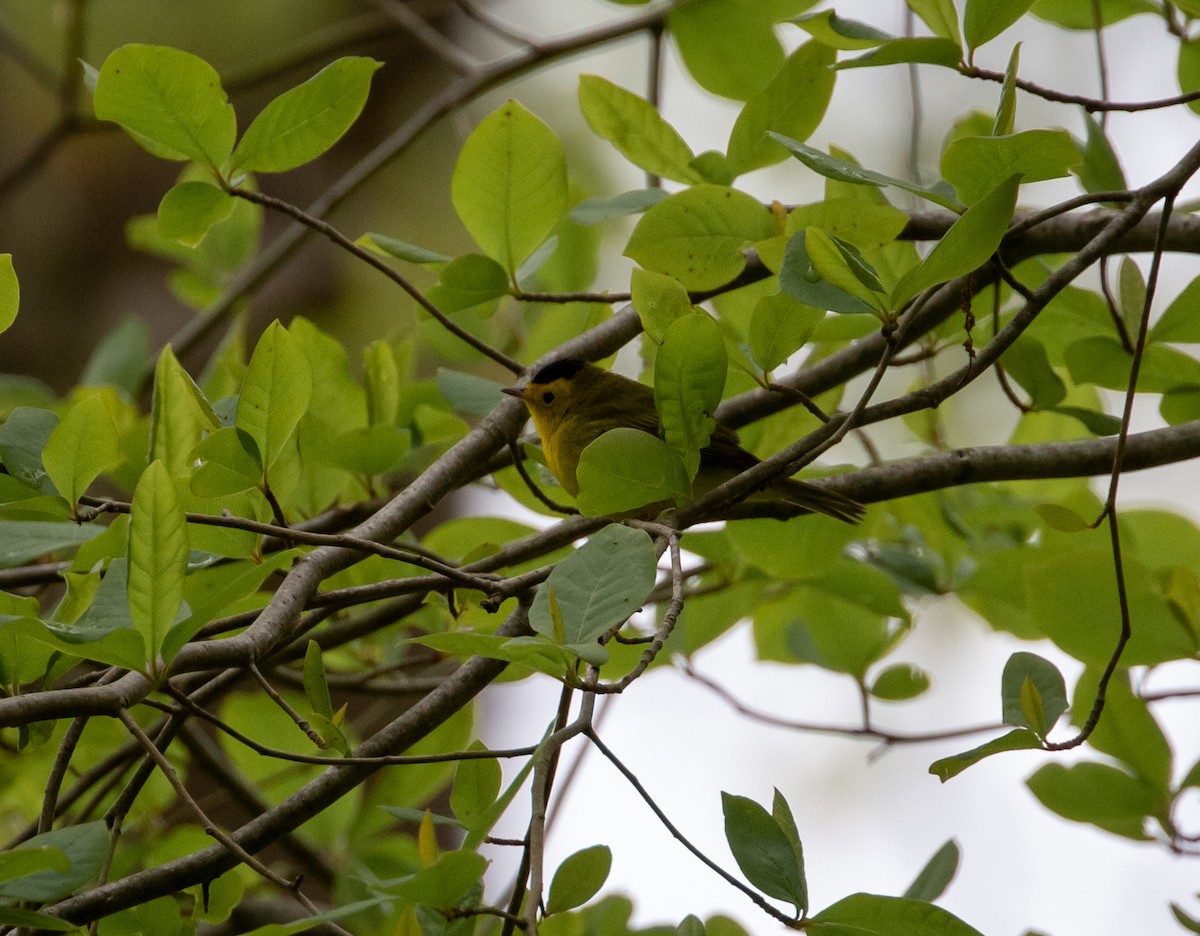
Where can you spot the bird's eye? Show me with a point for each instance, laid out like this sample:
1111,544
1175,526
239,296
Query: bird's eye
547,397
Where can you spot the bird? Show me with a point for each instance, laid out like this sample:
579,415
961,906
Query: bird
573,403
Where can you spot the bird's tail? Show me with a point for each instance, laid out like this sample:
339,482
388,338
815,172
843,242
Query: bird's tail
818,500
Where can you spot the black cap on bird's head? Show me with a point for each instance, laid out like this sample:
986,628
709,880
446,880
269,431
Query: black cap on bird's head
565,369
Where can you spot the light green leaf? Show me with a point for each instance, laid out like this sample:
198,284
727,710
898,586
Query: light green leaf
843,171
697,235
1033,692
171,102
1006,110
598,586
275,393
595,210
1100,170
779,327
968,244
13,916
1019,739
626,469
301,124
659,300
510,184
189,209
837,32
940,16
468,281
121,358
900,682
842,266
401,250
984,20
1131,294
763,851
729,48
972,164
180,414
689,377
82,446
578,878
476,786
10,292
799,278
636,129
229,464
158,556
316,686
1028,364
792,103
876,915
921,50
1104,796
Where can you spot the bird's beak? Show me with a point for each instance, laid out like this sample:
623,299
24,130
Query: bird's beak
517,392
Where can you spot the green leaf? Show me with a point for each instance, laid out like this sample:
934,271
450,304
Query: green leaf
900,682
792,103
301,124
659,300
23,438
799,278
972,164
36,921
180,414
1179,323
921,50
636,129
158,556
875,915
939,15
842,267
1028,364
779,327
275,393
937,874
510,184
1101,169
20,862
595,210
10,292
843,171
1128,730
1103,796
865,224
697,235
763,851
1061,518
1033,692
626,469
1006,110
468,281
121,358
971,240
229,464
579,878
444,883
169,101
729,48
598,586
689,377
1131,294
1105,362
1019,739
836,32
984,20
401,250
467,393
84,846
781,812
189,209
476,786
84,445
316,686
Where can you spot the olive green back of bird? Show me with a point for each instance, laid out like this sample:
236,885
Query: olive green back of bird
573,403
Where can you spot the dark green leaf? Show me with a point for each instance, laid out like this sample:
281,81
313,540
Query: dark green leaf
578,878
1033,693
1019,739
937,874
762,850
